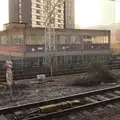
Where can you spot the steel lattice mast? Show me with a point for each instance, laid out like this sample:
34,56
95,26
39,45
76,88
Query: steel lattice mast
50,48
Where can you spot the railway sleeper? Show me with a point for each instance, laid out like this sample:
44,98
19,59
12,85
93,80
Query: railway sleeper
101,97
112,95
110,105
91,99
118,92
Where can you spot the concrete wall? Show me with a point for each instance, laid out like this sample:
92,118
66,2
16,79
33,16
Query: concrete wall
35,50
72,53
26,11
69,13
13,10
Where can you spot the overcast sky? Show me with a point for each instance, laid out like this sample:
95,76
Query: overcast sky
87,12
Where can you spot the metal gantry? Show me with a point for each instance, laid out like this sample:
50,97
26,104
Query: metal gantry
50,48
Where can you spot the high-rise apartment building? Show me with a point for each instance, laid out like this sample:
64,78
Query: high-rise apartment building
69,13
33,13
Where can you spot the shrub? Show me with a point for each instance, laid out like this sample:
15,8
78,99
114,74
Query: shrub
97,73
97,67
109,77
87,80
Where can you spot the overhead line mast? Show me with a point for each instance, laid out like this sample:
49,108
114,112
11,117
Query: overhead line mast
50,49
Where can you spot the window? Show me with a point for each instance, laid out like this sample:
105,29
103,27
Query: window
87,39
33,40
52,20
59,20
58,59
59,25
74,59
59,11
37,11
37,5
38,23
76,39
37,0
62,39
4,40
21,39
20,11
38,17
59,15
41,39
73,39
16,40
59,6
44,1
105,40
67,41
20,17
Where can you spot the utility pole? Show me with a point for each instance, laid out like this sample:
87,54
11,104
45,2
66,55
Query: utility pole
50,49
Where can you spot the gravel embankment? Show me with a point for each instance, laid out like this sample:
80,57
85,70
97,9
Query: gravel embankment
32,92
107,113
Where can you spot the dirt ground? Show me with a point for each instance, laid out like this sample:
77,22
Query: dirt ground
28,91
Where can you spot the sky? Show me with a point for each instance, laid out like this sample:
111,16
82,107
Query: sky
88,11
3,12
83,10
118,11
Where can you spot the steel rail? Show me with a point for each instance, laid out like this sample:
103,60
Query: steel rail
58,100
80,108
34,73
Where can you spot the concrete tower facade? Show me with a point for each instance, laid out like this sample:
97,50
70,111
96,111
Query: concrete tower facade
33,13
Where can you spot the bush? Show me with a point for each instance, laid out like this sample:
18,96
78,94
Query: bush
87,80
97,67
109,77
97,73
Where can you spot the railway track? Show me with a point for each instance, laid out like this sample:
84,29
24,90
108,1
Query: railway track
55,108
33,73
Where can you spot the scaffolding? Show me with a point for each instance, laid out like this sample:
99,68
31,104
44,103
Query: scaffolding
50,48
